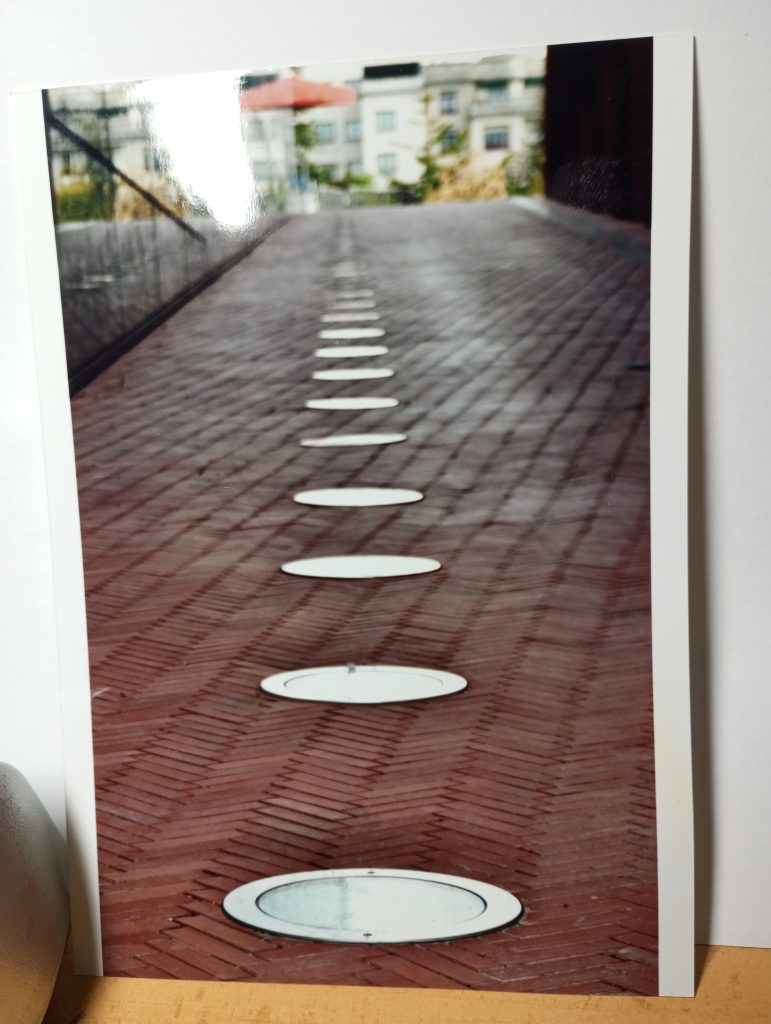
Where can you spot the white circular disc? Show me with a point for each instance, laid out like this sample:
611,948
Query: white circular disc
361,567
346,304
350,351
363,684
351,440
365,373
355,293
358,497
372,905
352,317
354,402
350,333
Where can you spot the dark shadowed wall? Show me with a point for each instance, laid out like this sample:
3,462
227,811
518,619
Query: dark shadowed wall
598,127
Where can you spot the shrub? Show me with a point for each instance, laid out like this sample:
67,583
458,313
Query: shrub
463,183
83,200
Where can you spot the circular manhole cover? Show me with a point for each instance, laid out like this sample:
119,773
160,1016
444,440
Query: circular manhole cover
354,402
361,567
372,905
358,497
350,333
363,684
348,304
349,316
350,351
365,373
351,440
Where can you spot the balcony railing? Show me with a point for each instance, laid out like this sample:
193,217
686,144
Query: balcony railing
505,106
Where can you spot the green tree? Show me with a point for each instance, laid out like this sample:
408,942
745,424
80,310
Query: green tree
304,136
349,181
304,141
444,147
524,174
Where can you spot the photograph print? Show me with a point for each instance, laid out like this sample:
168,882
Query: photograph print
359,364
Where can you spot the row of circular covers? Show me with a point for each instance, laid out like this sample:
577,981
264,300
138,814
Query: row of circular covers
364,905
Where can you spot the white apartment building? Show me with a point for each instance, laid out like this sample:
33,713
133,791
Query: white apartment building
338,132
495,105
270,148
110,119
498,102
394,124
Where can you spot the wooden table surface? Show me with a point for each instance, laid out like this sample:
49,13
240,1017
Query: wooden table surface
734,984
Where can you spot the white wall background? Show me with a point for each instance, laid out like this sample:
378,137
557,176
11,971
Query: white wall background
43,43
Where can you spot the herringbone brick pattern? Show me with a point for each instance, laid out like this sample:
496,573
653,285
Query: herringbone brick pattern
515,345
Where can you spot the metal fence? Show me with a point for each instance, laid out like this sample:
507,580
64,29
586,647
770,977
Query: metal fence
341,199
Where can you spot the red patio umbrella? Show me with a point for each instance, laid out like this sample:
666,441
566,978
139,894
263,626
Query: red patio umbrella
297,94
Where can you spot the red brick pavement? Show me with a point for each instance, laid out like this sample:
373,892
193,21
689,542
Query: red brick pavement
513,342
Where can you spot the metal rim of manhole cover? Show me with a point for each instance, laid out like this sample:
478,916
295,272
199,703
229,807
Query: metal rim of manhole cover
349,402
350,351
361,567
351,440
350,333
358,497
363,684
365,373
349,316
372,905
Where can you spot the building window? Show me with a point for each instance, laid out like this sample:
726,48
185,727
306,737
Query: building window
385,120
324,133
356,168
496,138
450,140
494,92
256,130
386,163
448,103
353,131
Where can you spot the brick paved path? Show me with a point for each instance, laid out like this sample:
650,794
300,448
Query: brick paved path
514,343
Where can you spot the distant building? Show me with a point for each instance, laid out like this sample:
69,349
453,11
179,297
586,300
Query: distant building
490,110
114,122
338,133
105,118
270,147
494,106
